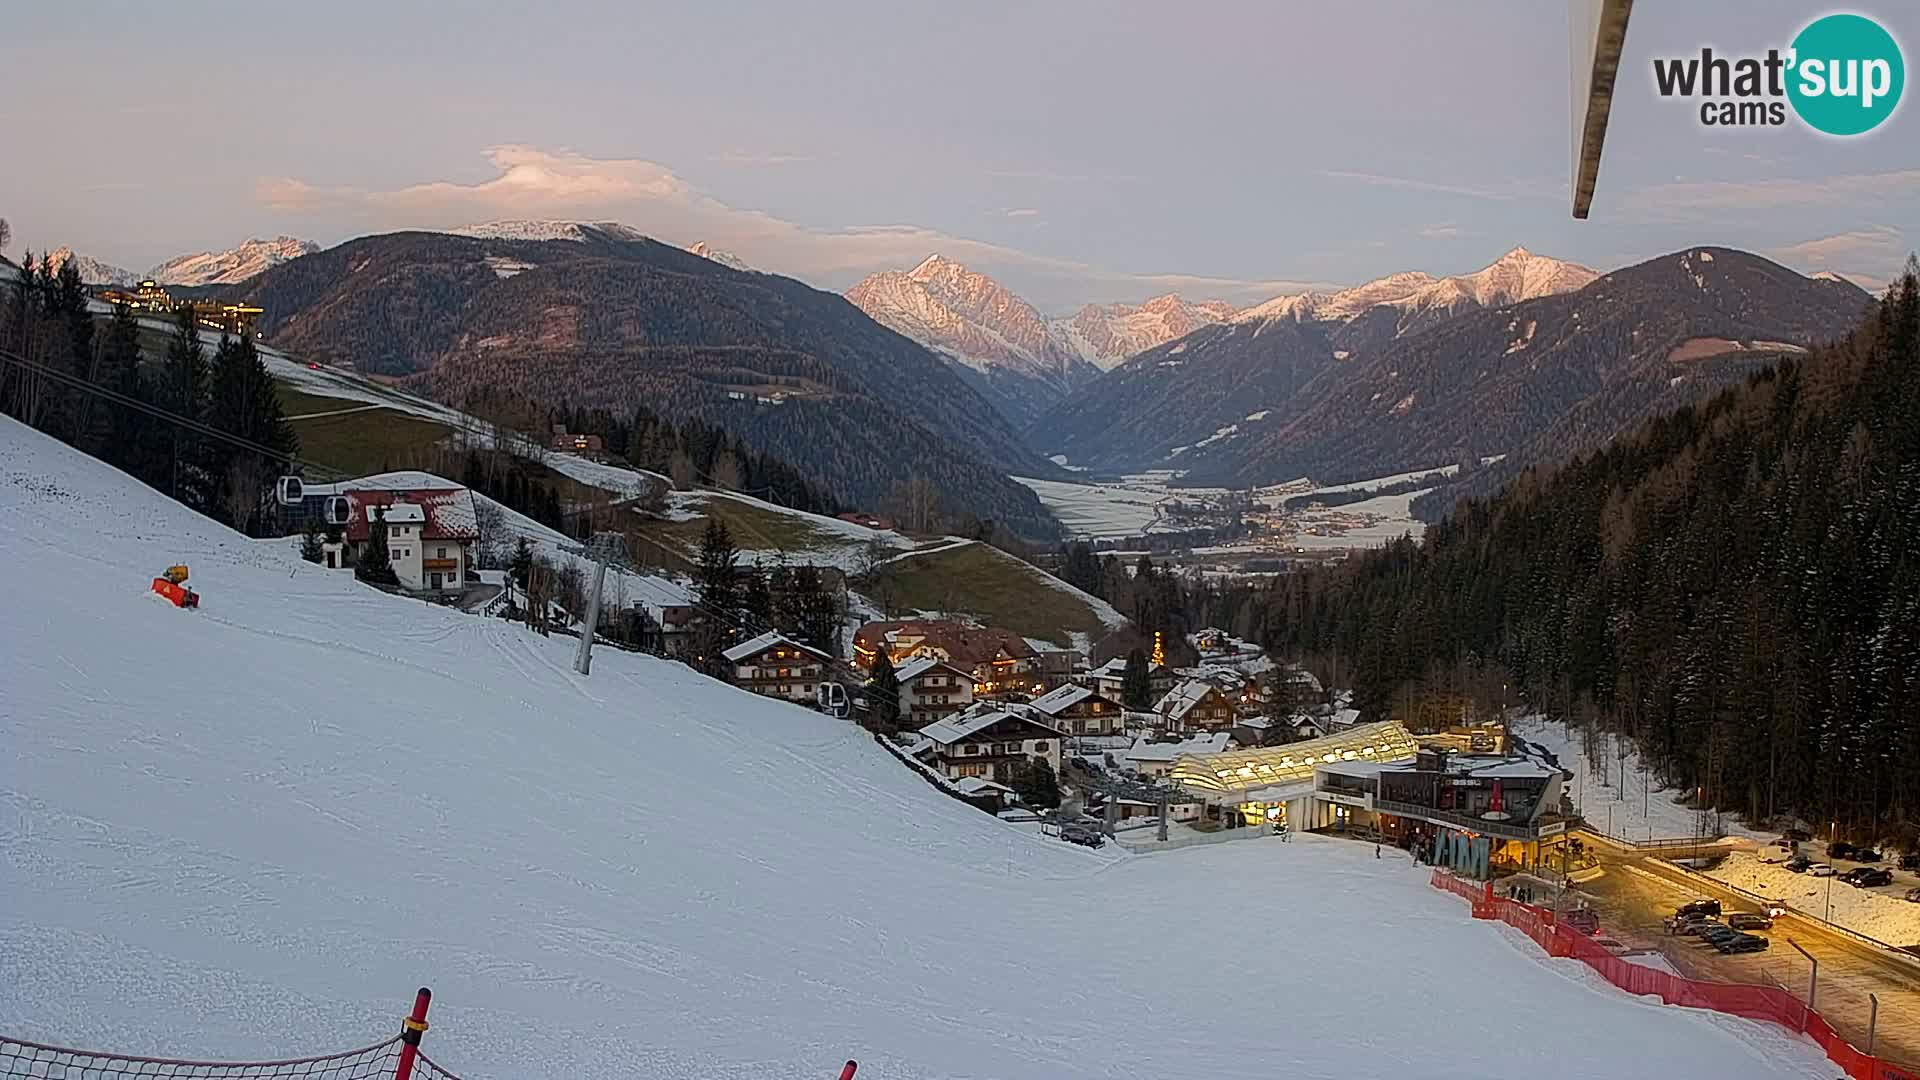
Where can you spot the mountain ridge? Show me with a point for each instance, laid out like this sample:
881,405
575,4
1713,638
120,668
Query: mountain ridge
237,264
584,315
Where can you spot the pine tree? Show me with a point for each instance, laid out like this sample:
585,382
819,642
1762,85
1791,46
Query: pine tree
717,578
883,695
1136,682
375,564
122,435
1036,784
310,549
245,404
756,601
521,563
182,390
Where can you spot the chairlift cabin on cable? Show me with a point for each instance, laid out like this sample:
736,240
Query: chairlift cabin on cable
338,510
290,490
832,699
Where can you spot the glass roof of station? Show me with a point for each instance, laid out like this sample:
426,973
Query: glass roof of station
1245,770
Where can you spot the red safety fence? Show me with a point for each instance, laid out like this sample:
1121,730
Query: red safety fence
1753,1002
398,1058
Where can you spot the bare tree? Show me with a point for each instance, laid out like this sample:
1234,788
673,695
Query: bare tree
6,234
245,480
915,504
539,594
490,522
570,588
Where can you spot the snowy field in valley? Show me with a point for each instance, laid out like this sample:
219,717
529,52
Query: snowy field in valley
251,830
1638,809
1138,505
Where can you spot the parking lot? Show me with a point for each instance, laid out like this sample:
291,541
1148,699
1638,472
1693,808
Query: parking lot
1635,893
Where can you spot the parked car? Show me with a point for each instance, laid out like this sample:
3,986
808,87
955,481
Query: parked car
1910,861
1697,925
1913,895
1820,869
1698,907
1868,877
1714,935
1865,854
1742,943
1747,920
1799,864
1800,835
1776,853
1084,835
1839,849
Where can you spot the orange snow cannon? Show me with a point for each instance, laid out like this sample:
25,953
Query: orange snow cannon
172,585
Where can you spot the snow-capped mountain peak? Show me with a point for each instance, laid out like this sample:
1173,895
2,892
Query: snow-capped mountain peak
1105,335
526,229
92,271
725,258
964,314
237,264
1518,275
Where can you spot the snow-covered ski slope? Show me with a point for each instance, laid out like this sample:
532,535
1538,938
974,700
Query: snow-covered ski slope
253,829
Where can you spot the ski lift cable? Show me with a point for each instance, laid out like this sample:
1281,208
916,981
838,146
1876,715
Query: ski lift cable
69,379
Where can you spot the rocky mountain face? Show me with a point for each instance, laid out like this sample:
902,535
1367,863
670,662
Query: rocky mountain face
592,316
92,270
993,337
231,266
1107,334
725,258
1023,361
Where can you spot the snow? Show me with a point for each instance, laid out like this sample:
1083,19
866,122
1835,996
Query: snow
1878,913
725,258
1137,506
1261,415
252,830
1629,809
504,267
252,257
1518,275
576,231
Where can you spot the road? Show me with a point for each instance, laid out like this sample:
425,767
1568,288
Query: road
1635,893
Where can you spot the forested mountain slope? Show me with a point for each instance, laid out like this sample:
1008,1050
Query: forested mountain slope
610,319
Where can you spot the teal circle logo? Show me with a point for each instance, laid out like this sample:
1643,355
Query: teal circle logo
1847,74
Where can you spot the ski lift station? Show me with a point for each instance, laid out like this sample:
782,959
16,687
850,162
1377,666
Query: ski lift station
1468,812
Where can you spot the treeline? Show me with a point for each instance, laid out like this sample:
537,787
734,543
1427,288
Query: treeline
736,603
854,448
1736,588
84,381
696,453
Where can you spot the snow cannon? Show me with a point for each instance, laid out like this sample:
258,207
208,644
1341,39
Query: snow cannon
173,585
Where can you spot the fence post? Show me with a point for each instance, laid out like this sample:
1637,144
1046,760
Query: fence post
414,1026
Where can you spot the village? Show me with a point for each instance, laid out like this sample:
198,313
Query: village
1113,742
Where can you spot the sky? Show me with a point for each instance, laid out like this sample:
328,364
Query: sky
1078,152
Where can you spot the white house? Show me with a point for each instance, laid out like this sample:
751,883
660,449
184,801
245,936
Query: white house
990,743
431,525
1079,710
931,688
406,541
774,665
